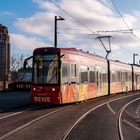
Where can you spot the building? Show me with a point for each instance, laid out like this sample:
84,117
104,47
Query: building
4,57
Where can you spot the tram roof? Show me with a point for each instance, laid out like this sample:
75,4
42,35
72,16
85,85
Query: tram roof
81,52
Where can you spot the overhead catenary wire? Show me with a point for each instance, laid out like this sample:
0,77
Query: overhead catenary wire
72,17
99,31
129,52
93,32
70,33
124,19
120,14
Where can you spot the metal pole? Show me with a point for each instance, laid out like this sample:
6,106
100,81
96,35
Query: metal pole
55,31
134,55
133,58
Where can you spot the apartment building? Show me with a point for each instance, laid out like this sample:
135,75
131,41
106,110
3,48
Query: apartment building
4,56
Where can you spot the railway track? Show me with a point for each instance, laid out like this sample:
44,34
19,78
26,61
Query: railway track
22,111
71,129
120,119
64,119
50,111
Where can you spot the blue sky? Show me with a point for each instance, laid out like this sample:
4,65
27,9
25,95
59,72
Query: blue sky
31,25
12,9
128,5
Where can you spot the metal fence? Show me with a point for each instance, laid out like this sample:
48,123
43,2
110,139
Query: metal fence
19,86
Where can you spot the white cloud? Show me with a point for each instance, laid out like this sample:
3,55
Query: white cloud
26,43
95,14
45,5
39,24
6,13
92,13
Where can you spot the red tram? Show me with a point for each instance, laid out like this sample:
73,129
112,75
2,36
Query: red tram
65,75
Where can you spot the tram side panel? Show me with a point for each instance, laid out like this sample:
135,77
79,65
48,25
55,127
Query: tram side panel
136,76
83,78
93,77
69,79
120,77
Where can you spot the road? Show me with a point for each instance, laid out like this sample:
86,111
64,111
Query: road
13,100
114,119
110,117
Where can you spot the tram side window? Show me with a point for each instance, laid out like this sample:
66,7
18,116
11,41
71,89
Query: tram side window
125,76
73,76
84,74
130,77
118,76
113,77
65,73
136,77
92,76
104,75
73,70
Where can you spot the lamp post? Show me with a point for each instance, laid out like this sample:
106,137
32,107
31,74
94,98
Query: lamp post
134,55
55,29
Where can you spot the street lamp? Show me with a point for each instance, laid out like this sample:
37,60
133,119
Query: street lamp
55,29
134,55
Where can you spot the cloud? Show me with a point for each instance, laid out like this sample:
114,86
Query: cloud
92,13
96,15
22,42
39,24
6,13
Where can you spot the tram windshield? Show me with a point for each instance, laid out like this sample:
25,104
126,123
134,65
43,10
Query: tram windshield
45,69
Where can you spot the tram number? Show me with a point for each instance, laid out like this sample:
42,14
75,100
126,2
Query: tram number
42,99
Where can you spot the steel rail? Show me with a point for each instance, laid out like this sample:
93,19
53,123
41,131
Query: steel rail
19,112
5,136
69,131
120,116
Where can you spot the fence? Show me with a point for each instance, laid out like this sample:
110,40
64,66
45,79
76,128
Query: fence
19,86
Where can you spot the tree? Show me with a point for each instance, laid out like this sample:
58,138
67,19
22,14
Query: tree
16,67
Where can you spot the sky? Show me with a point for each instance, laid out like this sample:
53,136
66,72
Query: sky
31,25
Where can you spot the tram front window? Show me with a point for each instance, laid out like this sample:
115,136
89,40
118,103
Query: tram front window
46,69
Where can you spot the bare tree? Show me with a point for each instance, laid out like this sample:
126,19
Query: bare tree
17,71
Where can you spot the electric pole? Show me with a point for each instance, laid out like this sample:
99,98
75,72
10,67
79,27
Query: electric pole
55,29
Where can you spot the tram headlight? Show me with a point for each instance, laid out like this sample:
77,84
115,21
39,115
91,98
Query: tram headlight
53,89
34,89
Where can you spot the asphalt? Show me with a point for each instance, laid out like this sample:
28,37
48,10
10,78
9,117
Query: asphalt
131,121
14,100
100,124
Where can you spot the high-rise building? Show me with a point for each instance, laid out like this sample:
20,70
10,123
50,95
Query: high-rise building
4,56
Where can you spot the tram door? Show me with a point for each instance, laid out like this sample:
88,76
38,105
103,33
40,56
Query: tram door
98,81
137,81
